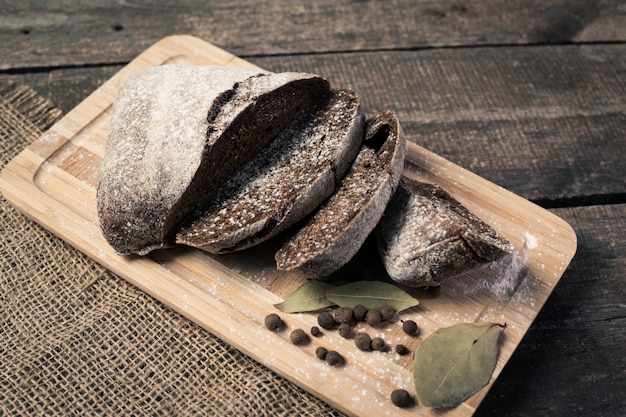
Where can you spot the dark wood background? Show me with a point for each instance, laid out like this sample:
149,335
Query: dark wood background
529,94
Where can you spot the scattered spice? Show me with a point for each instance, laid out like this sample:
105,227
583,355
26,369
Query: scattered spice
298,337
326,320
273,322
321,352
363,341
409,327
345,330
359,311
401,398
402,349
343,315
378,344
342,319
315,331
387,312
373,318
333,358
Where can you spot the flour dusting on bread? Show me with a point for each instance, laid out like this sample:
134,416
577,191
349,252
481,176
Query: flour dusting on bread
341,225
177,132
284,181
426,237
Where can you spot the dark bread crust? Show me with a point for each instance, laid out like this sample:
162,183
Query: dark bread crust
426,236
285,181
177,132
339,228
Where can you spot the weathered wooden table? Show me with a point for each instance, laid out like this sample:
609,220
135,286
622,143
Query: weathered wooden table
530,95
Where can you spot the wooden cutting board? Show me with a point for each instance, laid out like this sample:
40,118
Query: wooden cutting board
54,182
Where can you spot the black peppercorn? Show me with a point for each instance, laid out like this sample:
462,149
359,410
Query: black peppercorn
343,315
363,341
373,318
401,398
378,344
273,322
298,337
409,327
345,330
326,320
386,313
402,350
321,352
359,311
315,331
333,358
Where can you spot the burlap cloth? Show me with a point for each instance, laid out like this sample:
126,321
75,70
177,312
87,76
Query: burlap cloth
76,339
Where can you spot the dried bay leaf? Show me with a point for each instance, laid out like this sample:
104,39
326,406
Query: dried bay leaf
455,362
308,297
371,294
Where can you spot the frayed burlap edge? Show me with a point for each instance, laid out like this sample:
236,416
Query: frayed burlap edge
77,340
35,111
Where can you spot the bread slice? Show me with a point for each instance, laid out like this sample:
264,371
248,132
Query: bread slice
426,236
177,132
285,181
339,228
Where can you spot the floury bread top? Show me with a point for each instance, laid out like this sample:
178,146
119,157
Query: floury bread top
176,133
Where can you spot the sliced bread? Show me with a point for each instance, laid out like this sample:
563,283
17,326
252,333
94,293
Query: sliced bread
176,133
285,181
339,228
426,236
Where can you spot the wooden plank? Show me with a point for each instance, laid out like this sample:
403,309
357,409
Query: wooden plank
52,183
99,32
66,88
546,122
571,361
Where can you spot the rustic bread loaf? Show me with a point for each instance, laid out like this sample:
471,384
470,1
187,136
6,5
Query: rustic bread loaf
426,236
177,132
338,229
285,181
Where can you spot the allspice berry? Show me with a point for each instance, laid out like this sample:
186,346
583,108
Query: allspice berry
315,331
402,350
363,341
409,327
343,315
298,337
378,344
359,311
387,312
321,352
273,322
373,318
326,320
333,358
401,398
345,330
